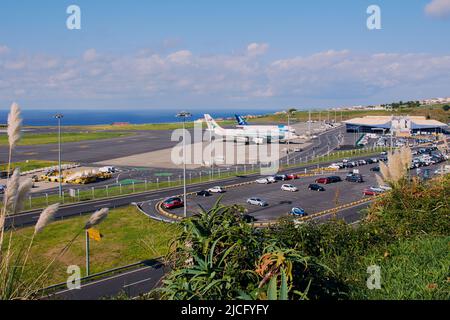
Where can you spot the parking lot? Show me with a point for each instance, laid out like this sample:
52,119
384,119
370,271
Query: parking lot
281,202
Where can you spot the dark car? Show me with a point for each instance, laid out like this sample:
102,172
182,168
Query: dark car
316,187
375,169
281,177
355,178
203,193
172,203
328,180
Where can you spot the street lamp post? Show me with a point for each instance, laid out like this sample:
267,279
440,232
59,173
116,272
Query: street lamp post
59,116
184,115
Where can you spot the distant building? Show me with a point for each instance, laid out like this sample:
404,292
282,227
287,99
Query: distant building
121,124
400,125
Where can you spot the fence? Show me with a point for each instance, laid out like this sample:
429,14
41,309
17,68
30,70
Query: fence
79,194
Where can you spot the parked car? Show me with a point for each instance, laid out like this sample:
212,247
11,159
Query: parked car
172,203
354,178
316,187
327,180
257,202
203,193
216,189
371,192
291,176
299,212
2,189
375,169
263,181
271,179
289,187
281,177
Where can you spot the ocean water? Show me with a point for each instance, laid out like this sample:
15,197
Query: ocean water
92,117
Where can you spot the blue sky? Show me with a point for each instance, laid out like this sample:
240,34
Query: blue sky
222,54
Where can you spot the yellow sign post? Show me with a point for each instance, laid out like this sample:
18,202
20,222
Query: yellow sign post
94,234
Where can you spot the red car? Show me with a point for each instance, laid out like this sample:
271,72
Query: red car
323,181
292,177
370,192
172,203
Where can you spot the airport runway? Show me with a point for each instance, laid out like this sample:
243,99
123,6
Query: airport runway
87,152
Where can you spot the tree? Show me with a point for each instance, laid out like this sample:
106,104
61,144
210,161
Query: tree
446,107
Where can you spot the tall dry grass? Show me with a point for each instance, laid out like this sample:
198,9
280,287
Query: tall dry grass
13,261
396,168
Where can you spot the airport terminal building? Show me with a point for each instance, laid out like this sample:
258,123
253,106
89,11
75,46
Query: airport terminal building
400,125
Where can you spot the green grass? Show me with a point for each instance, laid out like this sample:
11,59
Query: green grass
148,126
51,138
434,112
412,270
129,237
29,165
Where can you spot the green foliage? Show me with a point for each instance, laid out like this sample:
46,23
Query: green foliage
220,256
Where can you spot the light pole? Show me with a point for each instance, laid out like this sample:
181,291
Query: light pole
184,115
289,124
59,116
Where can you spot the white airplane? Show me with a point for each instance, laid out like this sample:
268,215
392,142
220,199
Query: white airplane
256,135
243,124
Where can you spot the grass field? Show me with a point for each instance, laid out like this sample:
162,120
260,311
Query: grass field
30,165
49,138
147,126
434,112
410,270
129,237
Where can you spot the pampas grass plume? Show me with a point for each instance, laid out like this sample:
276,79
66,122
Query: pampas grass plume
14,125
96,218
46,217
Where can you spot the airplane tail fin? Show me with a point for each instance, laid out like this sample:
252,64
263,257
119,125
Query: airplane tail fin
211,123
240,120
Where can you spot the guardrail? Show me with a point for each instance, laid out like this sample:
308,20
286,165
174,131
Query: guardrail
53,289
266,224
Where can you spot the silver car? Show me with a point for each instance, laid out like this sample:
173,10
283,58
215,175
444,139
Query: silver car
257,202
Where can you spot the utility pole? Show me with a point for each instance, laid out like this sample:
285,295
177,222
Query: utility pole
184,115
59,116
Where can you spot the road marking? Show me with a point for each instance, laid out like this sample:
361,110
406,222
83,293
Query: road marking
135,283
103,280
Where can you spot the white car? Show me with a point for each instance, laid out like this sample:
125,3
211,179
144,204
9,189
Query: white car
271,179
263,181
289,187
216,189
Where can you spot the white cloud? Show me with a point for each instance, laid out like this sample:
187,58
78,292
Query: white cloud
4,49
438,8
182,76
90,55
257,49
